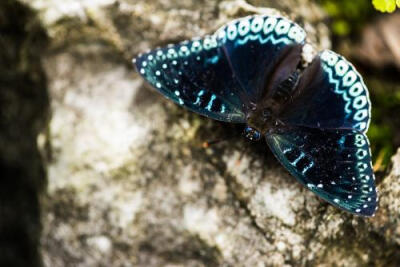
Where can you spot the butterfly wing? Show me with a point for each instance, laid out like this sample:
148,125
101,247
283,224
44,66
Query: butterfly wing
334,164
195,74
331,95
255,44
324,143
219,76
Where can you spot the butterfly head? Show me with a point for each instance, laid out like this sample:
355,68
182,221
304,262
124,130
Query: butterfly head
252,134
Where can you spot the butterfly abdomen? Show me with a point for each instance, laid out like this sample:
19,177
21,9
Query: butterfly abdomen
285,88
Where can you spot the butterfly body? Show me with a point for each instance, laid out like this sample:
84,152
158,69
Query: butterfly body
313,118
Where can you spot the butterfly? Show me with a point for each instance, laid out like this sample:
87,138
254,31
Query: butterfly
314,118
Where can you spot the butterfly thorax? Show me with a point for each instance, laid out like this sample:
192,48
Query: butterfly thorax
259,122
261,117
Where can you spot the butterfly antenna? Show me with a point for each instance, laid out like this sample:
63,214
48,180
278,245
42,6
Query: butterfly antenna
211,143
208,144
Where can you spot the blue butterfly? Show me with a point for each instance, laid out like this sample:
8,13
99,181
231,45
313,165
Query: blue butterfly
314,119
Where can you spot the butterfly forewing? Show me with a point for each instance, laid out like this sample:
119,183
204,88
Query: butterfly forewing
253,45
334,164
218,76
196,75
331,95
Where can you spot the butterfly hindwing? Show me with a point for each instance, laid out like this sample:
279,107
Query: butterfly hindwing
331,94
334,164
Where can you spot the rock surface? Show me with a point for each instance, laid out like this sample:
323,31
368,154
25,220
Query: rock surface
129,183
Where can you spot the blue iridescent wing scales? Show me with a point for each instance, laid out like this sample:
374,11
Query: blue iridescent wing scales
254,44
332,95
350,86
196,75
334,164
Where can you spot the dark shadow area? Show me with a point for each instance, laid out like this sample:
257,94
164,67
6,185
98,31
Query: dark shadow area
24,108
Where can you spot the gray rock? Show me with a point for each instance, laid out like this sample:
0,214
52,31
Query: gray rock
129,183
